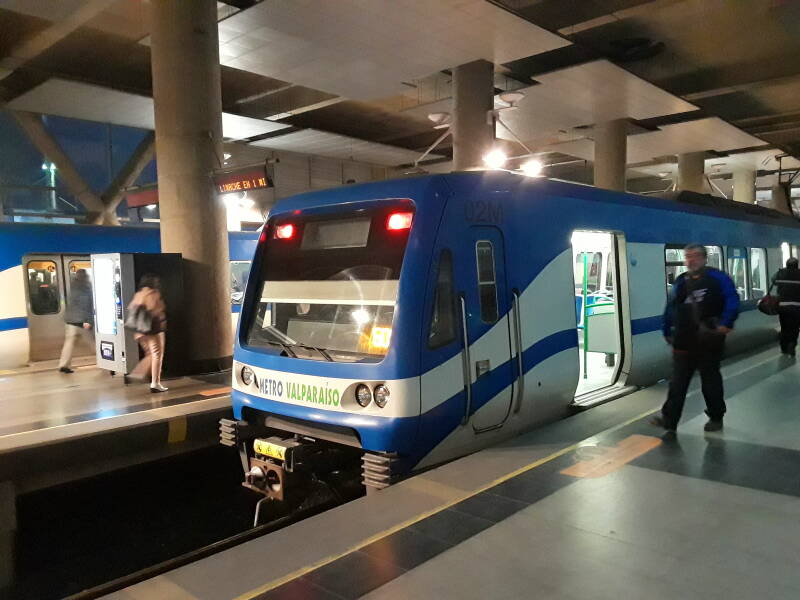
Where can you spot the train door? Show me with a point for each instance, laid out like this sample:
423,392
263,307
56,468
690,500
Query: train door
49,278
597,310
72,264
44,292
488,365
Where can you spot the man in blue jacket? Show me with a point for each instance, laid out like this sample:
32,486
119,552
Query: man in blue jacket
700,312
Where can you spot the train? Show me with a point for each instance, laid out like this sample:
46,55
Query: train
414,321
43,257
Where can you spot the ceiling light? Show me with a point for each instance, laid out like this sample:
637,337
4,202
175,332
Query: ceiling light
532,168
441,120
495,159
512,98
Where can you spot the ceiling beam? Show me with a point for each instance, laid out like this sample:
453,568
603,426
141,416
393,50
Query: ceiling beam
39,42
45,143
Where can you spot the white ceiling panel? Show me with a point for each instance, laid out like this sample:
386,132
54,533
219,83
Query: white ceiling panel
585,94
692,136
365,49
94,103
321,143
754,161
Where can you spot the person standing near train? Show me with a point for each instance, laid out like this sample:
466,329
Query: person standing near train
79,318
150,324
699,315
787,281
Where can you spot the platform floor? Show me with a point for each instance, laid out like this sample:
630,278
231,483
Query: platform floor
43,404
601,505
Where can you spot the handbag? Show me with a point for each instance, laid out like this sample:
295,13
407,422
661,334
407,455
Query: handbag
140,320
769,304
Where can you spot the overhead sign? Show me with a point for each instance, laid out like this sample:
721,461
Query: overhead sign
139,197
242,179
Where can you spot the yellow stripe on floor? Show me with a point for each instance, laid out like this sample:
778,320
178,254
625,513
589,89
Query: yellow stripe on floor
612,458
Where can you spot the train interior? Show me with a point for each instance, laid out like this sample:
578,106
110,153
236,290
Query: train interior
597,310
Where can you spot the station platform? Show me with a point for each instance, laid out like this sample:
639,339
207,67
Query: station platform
83,423
599,505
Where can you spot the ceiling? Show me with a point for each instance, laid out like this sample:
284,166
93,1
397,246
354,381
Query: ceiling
357,79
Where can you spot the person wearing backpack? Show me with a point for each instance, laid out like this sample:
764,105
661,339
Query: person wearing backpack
787,281
699,315
147,315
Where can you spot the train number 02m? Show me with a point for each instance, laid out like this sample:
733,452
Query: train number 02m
483,211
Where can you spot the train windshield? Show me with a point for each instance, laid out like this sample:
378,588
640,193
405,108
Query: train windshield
328,285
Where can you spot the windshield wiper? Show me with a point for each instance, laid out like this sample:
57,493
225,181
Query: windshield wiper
322,351
287,348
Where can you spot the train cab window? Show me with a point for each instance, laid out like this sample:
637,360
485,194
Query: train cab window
240,271
758,272
737,269
330,297
487,282
443,320
43,287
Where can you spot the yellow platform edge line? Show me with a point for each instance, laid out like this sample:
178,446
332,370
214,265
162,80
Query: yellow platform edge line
417,518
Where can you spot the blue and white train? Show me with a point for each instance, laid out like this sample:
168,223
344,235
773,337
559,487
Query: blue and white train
422,319
36,265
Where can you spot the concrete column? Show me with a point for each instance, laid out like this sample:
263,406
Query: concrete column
473,98
691,172
610,154
188,113
780,199
744,186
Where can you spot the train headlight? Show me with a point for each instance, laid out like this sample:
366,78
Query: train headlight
363,395
247,375
381,395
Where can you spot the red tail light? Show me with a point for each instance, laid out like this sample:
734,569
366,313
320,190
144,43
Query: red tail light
263,237
399,221
284,232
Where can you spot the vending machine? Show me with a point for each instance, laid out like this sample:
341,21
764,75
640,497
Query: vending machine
116,277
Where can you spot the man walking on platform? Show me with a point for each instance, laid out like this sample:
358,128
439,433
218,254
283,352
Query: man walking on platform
79,317
700,312
788,282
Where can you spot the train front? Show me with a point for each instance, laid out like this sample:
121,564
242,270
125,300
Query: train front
326,363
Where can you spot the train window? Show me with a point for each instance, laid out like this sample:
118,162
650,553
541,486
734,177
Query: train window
786,253
737,269
673,261
43,287
714,254
78,265
487,284
443,320
240,271
758,272
594,262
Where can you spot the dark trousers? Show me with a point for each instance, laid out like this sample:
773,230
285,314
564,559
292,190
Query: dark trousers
684,364
790,326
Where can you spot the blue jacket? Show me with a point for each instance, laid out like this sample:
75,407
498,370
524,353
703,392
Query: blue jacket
717,303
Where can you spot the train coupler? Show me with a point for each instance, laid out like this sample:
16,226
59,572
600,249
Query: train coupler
272,466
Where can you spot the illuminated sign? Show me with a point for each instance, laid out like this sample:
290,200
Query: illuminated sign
242,180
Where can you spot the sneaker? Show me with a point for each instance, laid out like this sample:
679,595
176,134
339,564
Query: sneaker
66,370
658,421
157,388
713,425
